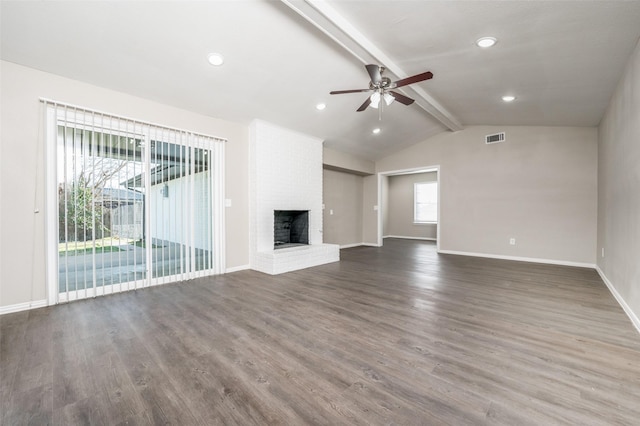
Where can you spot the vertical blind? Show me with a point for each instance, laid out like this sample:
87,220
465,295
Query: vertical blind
131,204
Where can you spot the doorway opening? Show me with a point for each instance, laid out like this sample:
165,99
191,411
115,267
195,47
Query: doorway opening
409,204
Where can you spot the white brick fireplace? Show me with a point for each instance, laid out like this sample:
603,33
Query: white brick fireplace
285,174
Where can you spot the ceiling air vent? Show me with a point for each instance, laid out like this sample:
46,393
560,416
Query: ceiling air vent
494,138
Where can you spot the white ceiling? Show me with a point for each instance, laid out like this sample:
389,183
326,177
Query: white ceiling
562,59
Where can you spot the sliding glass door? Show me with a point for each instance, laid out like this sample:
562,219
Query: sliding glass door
135,204
180,207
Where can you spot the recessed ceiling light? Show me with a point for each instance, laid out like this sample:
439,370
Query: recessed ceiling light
376,130
215,59
486,41
321,106
508,98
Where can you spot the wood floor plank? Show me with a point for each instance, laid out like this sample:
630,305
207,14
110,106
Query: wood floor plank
392,335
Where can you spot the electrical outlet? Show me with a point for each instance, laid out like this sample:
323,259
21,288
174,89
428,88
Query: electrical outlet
602,251
331,211
512,241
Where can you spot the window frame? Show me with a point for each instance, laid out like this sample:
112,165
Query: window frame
416,220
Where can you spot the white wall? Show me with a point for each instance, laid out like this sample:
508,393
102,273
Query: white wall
342,161
167,213
619,190
384,204
342,208
370,210
22,246
540,187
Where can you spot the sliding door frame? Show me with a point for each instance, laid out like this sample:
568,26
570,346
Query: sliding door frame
147,132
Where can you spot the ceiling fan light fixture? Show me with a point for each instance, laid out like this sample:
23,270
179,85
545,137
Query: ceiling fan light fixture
375,100
376,131
508,98
321,106
215,59
485,42
376,97
383,88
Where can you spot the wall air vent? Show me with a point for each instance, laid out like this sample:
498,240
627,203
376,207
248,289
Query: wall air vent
494,138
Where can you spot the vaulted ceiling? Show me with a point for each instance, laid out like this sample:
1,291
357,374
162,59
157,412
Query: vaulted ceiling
561,59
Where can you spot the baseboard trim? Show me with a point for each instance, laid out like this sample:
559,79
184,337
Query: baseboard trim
346,246
627,310
521,259
237,268
410,238
18,307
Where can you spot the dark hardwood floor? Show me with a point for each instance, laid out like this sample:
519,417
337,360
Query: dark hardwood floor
392,335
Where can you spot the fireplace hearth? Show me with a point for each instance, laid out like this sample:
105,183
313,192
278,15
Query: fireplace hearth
290,228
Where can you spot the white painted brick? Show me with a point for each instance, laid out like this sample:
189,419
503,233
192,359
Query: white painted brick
285,174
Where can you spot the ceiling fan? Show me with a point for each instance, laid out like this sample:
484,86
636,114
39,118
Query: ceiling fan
382,88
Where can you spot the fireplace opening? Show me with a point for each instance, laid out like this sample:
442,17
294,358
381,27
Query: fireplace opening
291,228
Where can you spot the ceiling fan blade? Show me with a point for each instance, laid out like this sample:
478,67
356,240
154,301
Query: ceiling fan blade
340,92
413,79
364,105
405,100
374,73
